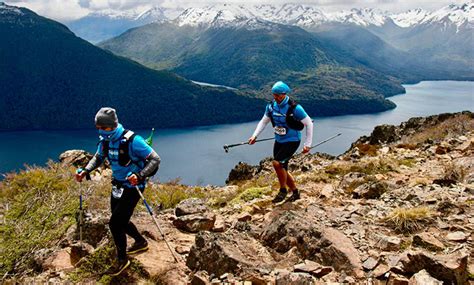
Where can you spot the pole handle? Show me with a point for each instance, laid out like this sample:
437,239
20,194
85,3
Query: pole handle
227,146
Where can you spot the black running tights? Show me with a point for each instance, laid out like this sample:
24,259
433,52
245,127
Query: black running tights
120,224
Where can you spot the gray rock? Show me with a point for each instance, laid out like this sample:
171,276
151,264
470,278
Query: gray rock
339,252
242,171
457,236
351,179
195,222
384,134
451,269
244,217
295,279
370,263
328,191
191,206
428,241
308,266
424,278
230,252
219,225
76,158
314,242
396,279
389,243
370,190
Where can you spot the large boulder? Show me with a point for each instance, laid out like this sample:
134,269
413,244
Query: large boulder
94,229
232,252
195,222
75,157
241,172
338,251
321,244
370,190
282,233
191,206
384,134
451,269
424,278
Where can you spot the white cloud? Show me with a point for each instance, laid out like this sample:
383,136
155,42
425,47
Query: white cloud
72,9
56,9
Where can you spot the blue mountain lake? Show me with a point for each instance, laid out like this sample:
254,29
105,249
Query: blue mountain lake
196,155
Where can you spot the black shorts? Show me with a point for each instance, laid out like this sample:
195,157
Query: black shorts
282,152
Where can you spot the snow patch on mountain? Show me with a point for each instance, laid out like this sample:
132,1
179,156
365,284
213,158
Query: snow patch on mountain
214,15
410,18
6,9
456,14
361,17
311,16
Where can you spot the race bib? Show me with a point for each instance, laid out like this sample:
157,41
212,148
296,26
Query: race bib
117,192
280,131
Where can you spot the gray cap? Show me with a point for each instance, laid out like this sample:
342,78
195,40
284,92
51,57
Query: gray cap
106,117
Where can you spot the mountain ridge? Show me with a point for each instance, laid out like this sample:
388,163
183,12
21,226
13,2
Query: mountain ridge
44,64
306,16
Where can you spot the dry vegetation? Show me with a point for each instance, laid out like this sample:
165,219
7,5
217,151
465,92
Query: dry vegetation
407,220
452,126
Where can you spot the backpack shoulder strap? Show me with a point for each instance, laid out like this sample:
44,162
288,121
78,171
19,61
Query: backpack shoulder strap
292,103
104,147
124,147
128,135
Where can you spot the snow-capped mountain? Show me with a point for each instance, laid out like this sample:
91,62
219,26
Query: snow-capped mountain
410,17
293,14
158,14
261,16
458,15
361,17
221,14
311,16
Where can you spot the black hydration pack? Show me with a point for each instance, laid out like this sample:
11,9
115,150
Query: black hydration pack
124,147
124,158
291,122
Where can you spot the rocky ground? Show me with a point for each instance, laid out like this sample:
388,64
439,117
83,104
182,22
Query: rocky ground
396,208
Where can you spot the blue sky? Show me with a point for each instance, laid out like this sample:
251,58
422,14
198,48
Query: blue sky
73,9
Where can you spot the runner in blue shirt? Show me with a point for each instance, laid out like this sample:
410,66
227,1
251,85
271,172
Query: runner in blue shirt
288,119
127,153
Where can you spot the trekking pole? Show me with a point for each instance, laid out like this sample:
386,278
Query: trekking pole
154,220
227,146
324,141
81,220
81,210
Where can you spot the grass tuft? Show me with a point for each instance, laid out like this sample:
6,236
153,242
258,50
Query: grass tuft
409,220
251,194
